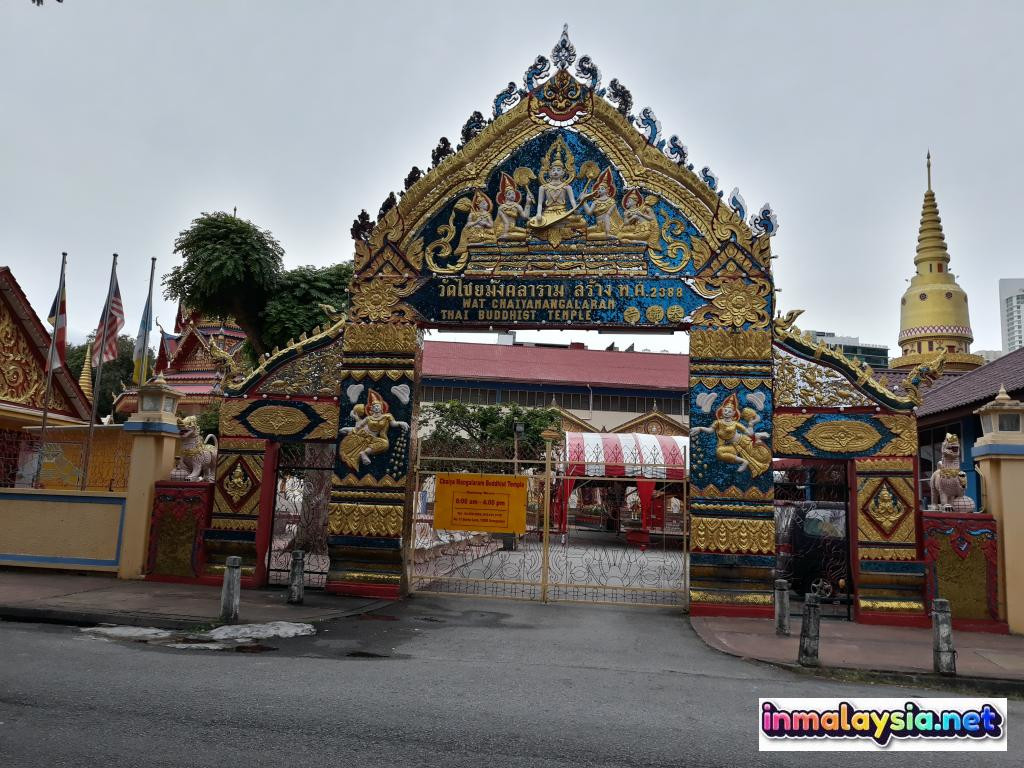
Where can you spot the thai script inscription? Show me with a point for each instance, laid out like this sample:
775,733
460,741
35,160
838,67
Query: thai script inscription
559,301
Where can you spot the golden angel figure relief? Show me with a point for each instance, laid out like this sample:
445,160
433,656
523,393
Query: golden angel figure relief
556,214
738,441
369,435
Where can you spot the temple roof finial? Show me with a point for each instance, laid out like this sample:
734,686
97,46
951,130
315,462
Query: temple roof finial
564,53
929,163
85,378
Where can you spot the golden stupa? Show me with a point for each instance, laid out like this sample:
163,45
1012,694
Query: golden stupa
933,312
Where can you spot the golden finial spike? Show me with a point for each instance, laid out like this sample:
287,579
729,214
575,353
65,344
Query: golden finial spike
85,379
929,163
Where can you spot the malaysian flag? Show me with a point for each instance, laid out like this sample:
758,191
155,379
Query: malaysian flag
104,348
58,319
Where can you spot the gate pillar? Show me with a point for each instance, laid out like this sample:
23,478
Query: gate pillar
732,520
372,488
245,475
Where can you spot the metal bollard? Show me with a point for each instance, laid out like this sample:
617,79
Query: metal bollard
810,629
297,578
943,652
230,591
781,607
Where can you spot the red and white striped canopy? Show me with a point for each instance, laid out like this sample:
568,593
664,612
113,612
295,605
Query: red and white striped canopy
609,454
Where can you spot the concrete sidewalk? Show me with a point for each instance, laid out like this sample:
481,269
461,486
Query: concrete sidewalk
846,645
87,599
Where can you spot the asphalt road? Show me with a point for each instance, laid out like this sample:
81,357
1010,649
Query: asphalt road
453,682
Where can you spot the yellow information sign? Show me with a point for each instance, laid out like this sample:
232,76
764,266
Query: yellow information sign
470,502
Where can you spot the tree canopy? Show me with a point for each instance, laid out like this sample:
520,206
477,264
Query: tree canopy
294,307
464,430
231,267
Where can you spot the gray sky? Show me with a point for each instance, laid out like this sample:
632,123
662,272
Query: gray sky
122,120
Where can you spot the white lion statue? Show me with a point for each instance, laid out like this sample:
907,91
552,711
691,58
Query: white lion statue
198,457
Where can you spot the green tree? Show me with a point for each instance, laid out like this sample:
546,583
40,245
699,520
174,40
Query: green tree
209,419
464,430
117,373
231,268
294,308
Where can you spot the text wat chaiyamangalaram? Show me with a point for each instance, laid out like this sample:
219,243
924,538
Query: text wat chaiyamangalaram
567,210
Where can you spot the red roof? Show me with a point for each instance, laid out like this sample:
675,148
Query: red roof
555,365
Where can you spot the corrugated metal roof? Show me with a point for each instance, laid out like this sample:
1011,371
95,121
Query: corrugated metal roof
555,365
976,387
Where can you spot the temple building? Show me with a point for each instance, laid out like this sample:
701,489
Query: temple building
186,360
596,390
24,346
933,312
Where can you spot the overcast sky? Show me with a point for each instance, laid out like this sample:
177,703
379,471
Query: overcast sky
123,120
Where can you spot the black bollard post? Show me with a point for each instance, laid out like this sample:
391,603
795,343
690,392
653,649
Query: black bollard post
230,590
297,578
810,629
943,652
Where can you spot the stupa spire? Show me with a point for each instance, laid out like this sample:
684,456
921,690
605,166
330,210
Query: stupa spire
931,241
933,314
85,379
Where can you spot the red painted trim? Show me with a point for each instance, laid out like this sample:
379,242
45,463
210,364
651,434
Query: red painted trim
728,609
265,521
970,516
894,619
853,534
918,512
981,625
800,463
361,589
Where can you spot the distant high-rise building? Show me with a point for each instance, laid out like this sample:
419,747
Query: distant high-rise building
875,355
933,311
1011,312
989,355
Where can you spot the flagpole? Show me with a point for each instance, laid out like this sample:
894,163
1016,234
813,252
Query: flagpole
49,376
145,344
99,372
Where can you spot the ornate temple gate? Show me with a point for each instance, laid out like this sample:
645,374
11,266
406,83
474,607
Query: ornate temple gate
566,211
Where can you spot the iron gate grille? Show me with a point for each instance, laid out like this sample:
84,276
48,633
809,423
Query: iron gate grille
301,499
598,549
813,537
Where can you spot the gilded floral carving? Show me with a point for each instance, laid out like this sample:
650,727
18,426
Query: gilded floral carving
734,303
802,383
365,519
21,375
843,436
725,344
723,534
